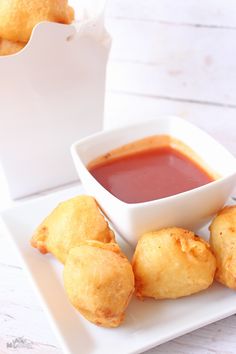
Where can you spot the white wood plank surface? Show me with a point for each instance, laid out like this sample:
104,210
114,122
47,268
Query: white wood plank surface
219,121
208,13
173,61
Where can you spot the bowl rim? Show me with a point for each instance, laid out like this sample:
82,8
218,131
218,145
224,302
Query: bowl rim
167,118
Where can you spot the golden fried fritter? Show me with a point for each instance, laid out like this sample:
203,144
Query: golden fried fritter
18,17
99,282
223,243
172,263
9,47
75,220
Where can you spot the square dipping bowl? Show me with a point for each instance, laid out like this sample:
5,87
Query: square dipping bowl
191,209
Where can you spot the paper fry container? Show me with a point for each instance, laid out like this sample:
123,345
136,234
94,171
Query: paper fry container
51,94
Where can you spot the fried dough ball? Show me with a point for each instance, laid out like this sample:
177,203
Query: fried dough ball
99,282
18,17
9,47
75,220
223,243
171,263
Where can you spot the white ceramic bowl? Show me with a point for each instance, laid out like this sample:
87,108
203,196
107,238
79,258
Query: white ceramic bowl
191,209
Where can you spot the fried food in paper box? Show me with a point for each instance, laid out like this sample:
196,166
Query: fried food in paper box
9,47
75,220
171,263
18,17
99,282
223,243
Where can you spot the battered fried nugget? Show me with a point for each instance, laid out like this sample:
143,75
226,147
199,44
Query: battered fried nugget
172,263
9,47
99,282
18,17
73,221
223,243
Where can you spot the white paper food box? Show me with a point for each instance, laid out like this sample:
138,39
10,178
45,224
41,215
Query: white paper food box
51,94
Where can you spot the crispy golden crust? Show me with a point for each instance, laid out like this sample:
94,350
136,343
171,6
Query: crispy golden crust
9,47
99,282
73,221
18,17
172,263
223,243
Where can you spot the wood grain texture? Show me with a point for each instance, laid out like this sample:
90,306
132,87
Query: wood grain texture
220,122
209,13
175,58
173,61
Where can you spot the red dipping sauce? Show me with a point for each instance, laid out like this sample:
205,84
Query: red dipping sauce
148,174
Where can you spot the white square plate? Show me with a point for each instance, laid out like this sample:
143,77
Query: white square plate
147,323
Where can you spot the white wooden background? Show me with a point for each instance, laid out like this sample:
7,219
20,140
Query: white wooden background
174,56
168,56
